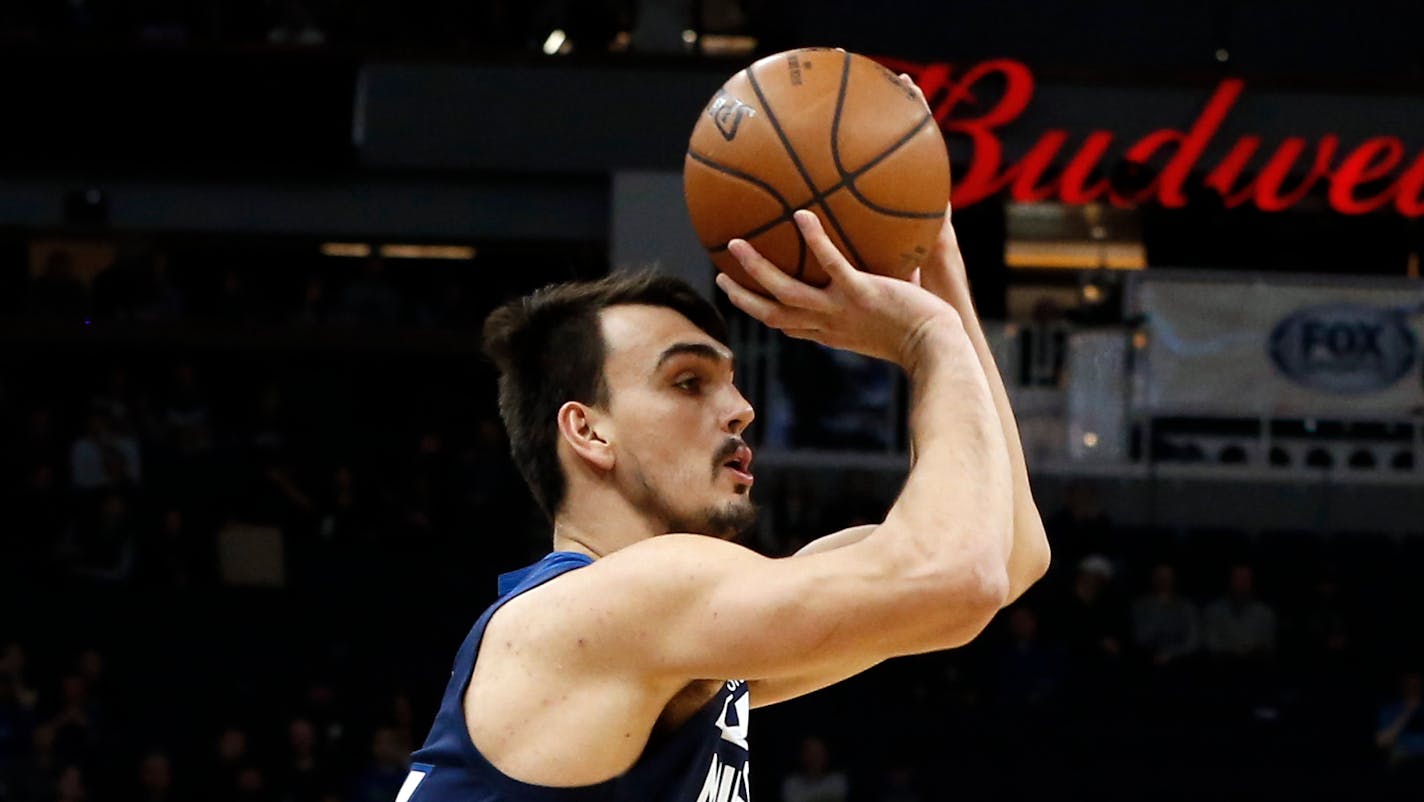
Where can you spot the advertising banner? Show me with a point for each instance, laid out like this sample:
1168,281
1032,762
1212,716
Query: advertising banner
1281,346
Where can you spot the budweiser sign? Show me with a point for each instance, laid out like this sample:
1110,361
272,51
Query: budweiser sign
1373,175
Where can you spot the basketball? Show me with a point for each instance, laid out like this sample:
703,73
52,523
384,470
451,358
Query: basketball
825,130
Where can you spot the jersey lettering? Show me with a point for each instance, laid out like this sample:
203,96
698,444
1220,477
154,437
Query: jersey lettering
727,775
417,775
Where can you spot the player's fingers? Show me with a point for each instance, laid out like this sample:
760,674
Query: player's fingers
841,271
910,82
814,335
780,284
767,310
947,232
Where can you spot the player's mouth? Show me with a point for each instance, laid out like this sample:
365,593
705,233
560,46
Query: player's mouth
740,465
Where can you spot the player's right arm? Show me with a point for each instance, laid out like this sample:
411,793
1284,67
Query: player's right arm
929,577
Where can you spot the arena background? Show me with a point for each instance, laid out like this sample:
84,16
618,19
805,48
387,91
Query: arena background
255,490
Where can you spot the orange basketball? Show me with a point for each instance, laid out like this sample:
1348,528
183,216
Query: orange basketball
825,130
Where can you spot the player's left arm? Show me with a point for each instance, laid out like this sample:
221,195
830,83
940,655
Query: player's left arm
944,275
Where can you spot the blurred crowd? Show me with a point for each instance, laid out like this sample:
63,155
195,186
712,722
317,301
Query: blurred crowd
238,569
136,282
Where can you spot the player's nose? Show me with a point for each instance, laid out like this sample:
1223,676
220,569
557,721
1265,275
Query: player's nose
740,414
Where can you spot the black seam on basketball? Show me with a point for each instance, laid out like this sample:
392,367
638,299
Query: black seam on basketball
796,160
786,208
816,200
847,177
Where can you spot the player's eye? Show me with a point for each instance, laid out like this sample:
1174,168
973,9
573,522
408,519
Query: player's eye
691,384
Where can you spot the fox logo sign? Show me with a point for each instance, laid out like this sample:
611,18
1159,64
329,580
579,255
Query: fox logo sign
1344,348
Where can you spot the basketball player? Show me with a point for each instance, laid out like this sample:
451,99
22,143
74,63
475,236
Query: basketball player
623,666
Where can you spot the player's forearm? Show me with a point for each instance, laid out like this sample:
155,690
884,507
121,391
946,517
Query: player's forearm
1029,558
954,512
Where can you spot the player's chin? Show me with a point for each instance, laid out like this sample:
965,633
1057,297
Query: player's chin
730,519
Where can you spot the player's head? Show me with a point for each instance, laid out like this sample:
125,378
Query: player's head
625,382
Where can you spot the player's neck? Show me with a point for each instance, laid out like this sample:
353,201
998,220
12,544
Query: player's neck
600,526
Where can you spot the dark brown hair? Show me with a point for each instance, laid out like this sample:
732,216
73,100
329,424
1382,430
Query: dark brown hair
549,349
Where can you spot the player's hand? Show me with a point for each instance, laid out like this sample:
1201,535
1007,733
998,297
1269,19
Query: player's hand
878,316
943,273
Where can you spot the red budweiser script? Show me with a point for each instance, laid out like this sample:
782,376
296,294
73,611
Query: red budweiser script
1356,181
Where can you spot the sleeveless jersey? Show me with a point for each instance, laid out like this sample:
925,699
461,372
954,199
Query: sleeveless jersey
704,760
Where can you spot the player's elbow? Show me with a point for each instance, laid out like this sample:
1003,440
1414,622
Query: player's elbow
1040,555
979,590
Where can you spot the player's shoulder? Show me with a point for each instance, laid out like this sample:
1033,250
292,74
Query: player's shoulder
640,574
672,558
598,607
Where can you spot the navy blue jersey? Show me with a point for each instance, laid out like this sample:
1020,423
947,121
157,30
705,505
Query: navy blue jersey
704,760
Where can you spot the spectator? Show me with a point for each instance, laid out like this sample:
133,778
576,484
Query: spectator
814,780
171,555
1093,626
269,432
1240,635
1238,626
1165,626
303,775
14,663
1399,733
901,785
233,304
250,785
70,786
121,402
76,726
157,297
295,25
1326,630
155,779
345,516
1166,631
382,778
402,716
16,729
91,666
186,413
35,777
324,711
107,543
316,307
490,482
1029,672
103,457
226,781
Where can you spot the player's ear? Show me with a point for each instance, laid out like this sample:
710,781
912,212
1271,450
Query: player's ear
579,426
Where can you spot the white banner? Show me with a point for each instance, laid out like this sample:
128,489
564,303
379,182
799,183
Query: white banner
1281,345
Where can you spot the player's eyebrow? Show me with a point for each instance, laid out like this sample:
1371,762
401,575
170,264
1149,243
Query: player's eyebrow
699,350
